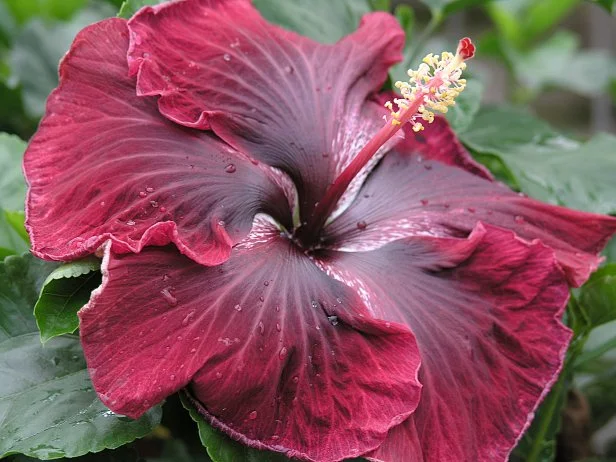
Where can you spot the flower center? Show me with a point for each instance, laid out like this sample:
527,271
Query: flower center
432,87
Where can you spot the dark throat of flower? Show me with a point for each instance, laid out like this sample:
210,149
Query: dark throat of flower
433,87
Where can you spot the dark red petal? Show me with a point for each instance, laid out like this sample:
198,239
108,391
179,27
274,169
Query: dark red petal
105,164
280,355
291,102
437,141
409,196
486,313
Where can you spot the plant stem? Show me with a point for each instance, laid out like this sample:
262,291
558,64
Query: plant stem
435,21
549,408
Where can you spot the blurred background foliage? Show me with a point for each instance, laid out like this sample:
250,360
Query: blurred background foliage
539,111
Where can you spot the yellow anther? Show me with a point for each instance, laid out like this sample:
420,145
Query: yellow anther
432,87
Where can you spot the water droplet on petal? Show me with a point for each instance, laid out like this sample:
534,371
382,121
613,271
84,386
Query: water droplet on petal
188,319
169,298
143,194
424,202
154,204
150,190
266,283
278,328
221,223
295,379
130,223
262,298
238,307
519,220
163,209
283,353
226,57
333,320
361,225
289,69
261,327
230,168
218,375
235,43
172,377
252,415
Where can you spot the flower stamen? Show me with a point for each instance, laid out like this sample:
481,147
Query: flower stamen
432,87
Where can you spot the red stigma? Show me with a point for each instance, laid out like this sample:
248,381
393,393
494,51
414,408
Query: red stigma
466,48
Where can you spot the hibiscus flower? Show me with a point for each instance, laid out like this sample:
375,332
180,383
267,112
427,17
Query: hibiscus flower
320,285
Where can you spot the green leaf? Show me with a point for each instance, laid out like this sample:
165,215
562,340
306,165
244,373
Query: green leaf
559,62
547,165
48,408
461,115
322,20
23,10
37,51
12,184
598,295
65,291
130,7
15,220
11,240
520,22
223,449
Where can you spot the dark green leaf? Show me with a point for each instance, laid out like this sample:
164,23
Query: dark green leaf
21,279
38,49
223,449
176,451
12,184
598,295
547,165
600,394
322,20
130,7
48,408
65,291
609,5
